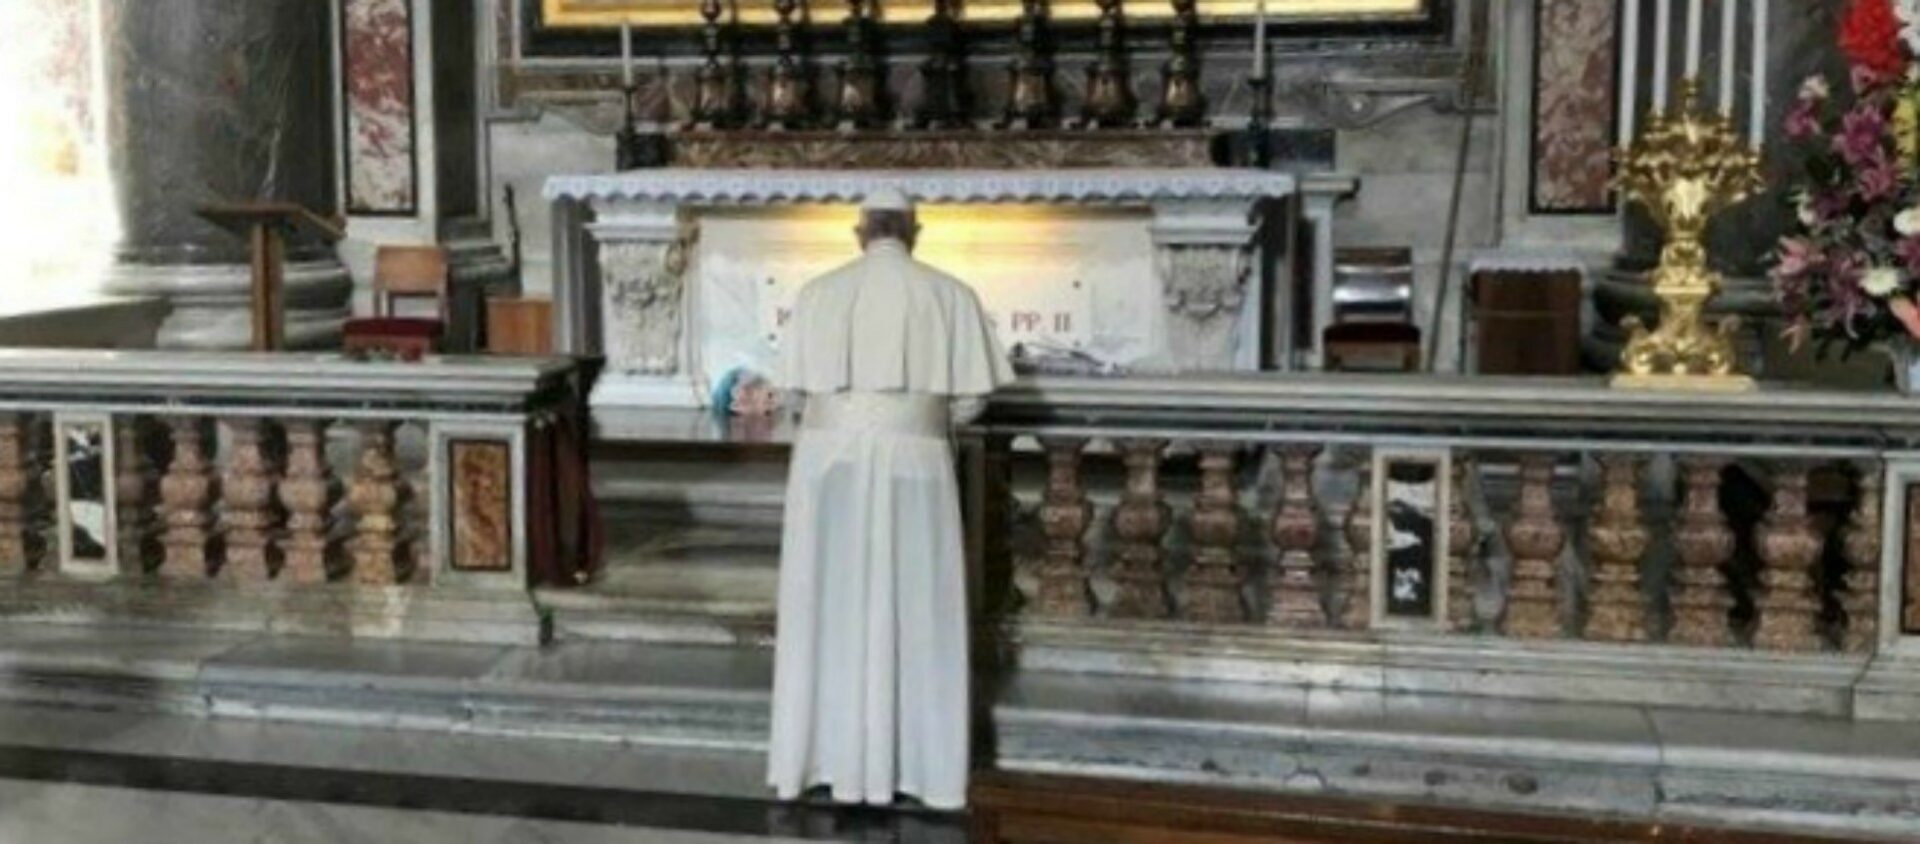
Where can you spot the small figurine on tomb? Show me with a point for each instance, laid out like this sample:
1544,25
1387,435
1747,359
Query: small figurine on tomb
870,692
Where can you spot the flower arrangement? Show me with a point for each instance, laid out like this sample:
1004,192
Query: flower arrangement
1848,272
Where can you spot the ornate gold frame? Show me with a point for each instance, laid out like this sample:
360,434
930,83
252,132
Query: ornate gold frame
604,14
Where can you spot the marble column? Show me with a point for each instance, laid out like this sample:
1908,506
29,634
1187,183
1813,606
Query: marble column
219,101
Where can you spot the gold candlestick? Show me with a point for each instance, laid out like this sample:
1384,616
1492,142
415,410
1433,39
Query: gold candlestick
1686,166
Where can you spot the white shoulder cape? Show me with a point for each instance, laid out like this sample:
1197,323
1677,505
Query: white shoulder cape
888,323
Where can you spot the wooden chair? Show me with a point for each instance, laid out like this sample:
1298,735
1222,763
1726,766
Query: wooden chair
1372,347
400,273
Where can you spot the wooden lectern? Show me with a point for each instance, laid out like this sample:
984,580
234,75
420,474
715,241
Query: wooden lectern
266,226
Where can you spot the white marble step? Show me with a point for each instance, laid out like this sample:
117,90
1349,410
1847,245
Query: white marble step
676,583
1793,773
629,693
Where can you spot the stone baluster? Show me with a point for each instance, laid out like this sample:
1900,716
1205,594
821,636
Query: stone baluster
1617,541
1356,613
249,521
1214,578
1294,589
1910,571
1140,522
308,492
1065,515
1789,545
22,496
1535,538
186,502
1860,541
374,497
416,559
1703,543
1460,536
133,491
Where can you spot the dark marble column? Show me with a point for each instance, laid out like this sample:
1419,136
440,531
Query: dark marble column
220,101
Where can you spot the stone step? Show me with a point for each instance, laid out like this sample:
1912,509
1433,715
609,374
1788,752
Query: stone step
636,694
608,712
1764,771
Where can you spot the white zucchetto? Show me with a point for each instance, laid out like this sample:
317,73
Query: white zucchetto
886,199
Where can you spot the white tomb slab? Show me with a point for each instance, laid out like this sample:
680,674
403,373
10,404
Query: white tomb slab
680,276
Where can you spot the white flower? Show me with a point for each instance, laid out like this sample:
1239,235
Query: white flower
1908,11
1880,281
1815,88
1907,222
1803,207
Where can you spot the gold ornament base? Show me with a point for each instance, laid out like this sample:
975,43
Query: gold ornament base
1686,166
1689,383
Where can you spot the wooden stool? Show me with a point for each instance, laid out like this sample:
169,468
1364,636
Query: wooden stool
519,326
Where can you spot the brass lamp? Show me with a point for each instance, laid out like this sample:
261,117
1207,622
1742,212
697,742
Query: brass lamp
1687,165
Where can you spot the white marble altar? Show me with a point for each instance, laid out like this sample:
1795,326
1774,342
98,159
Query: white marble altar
679,276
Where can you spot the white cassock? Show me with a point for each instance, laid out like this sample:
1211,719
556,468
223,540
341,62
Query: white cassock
871,672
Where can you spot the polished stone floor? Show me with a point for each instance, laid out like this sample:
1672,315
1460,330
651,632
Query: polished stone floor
65,813
72,777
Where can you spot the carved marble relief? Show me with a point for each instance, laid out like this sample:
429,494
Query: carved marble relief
1204,287
480,475
645,285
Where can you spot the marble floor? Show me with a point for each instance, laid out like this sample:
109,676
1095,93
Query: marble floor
66,813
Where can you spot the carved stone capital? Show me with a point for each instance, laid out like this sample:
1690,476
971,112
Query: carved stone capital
644,284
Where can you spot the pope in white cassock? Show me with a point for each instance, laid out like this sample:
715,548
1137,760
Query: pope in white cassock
870,692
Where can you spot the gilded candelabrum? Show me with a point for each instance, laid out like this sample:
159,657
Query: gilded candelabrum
1686,166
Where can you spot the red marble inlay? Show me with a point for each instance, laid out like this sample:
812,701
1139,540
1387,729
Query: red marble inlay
1573,105
377,61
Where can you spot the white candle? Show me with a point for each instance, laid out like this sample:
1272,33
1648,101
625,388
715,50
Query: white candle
1757,101
1694,25
1260,40
1662,50
626,54
1729,21
1629,81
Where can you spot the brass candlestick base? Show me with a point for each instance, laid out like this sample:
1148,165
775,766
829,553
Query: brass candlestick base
1686,166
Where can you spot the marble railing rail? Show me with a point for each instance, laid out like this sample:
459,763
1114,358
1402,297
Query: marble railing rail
250,468
1518,509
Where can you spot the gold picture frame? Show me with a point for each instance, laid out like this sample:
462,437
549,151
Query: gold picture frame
642,14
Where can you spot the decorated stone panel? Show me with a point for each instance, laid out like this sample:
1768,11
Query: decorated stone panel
480,505
83,473
1409,544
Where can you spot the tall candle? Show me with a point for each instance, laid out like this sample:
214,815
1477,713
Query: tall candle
1662,51
1757,101
1729,21
1694,25
626,54
1629,81
1260,40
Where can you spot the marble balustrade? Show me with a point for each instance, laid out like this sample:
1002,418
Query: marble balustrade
1542,512
302,470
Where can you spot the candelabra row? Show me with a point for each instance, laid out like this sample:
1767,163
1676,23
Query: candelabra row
1313,583
787,100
